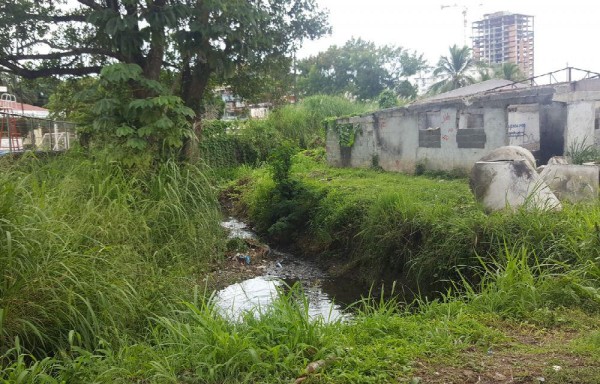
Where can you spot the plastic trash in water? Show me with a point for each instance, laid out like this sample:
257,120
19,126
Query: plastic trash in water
244,259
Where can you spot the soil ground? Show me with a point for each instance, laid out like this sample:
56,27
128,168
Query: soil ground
530,354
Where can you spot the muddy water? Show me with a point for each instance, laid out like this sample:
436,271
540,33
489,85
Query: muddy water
328,298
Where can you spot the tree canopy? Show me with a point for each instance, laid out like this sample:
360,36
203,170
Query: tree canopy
193,38
134,44
360,68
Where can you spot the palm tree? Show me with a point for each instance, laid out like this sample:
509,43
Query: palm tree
484,72
509,71
454,69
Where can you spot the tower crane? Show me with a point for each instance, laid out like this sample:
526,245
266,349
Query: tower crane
465,9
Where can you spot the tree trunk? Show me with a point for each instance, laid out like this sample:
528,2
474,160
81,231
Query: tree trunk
191,149
194,79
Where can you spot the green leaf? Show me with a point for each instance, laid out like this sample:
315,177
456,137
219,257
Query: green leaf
124,130
135,142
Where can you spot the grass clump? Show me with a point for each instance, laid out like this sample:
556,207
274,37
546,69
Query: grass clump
91,250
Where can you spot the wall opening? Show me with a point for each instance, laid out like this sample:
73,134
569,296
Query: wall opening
429,129
471,132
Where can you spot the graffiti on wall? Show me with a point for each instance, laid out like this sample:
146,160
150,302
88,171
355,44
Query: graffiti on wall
524,126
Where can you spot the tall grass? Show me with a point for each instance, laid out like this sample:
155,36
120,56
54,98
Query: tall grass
519,285
303,123
251,142
194,343
422,230
91,249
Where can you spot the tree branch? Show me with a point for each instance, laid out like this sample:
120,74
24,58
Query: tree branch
91,4
67,18
46,72
59,55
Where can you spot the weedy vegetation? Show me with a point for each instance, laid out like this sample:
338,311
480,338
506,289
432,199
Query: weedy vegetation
102,268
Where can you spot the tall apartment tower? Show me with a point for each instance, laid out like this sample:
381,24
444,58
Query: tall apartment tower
505,37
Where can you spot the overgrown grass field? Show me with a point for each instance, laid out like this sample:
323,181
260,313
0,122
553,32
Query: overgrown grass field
102,271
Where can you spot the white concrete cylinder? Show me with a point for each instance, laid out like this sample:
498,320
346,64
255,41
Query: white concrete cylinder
511,184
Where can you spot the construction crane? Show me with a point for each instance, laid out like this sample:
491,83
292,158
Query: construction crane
464,13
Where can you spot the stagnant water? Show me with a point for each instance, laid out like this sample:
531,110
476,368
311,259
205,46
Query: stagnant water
327,297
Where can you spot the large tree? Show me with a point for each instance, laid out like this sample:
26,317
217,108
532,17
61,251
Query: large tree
360,68
195,39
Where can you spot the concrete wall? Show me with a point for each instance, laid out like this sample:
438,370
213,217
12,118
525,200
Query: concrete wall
398,139
446,134
580,124
524,126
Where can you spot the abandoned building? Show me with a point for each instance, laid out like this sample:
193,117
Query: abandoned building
453,130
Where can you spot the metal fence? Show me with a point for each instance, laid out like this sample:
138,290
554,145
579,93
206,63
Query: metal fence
20,133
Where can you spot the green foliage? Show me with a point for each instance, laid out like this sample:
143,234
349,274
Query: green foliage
252,141
90,251
31,91
509,71
454,69
580,152
422,229
280,162
101,265
387,99
304,123
223,144
281,210
253,38
518,285
359,68
345,132
70,101
139,130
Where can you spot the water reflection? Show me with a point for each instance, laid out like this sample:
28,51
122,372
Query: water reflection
257,294
285,270
237,229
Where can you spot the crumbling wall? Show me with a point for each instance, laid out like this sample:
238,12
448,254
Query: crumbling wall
446,134
524,126
396,138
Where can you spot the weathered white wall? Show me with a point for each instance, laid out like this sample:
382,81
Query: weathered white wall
397,140
446,135
450,156
524,126
597,124
580,124
391,138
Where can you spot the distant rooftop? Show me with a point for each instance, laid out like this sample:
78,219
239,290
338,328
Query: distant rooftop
473,89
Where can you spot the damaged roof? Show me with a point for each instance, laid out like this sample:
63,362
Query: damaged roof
474,89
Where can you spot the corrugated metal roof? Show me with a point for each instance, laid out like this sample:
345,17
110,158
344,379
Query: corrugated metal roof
473,89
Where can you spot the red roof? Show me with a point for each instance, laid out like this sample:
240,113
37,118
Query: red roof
23,107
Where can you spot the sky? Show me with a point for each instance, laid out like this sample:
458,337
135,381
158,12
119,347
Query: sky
564,32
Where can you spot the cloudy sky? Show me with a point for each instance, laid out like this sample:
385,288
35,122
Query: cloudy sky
565,32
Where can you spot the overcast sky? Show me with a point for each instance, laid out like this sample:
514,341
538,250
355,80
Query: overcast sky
565,31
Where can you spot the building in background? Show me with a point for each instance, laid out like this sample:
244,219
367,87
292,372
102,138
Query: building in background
505,37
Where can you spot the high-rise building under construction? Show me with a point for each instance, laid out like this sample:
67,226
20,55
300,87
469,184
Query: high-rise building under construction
505,37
